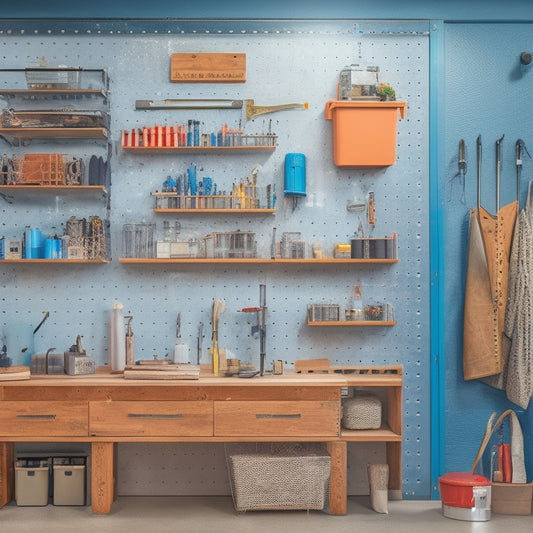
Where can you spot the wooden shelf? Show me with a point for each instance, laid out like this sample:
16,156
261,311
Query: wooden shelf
354,323
252,260
206,210
56,261
53,188
28,134
383,434
196,149
51,92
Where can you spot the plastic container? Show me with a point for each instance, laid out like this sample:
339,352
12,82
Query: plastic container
465,496
364,133
32,482
69,483
295,174
356,81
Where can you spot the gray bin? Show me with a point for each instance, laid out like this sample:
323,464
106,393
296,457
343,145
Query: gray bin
31,484
69,484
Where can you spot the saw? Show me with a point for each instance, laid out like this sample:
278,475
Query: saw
251,109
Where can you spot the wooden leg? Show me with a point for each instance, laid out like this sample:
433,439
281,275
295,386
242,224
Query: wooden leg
394,459
338,491
102,476
7,472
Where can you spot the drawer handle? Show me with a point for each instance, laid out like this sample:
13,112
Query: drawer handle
298,415
142,415
37,417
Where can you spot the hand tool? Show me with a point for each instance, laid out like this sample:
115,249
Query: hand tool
45,318
130,346
181,349
260,327
519,146
200,342
371,209
461,168
219,306
251,109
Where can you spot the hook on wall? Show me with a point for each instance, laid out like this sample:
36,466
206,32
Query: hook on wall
525,58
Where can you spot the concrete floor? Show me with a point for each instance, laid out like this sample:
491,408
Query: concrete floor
217,514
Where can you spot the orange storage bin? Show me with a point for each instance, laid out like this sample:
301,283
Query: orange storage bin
364,133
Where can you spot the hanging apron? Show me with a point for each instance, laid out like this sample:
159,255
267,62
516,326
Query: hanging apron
517,374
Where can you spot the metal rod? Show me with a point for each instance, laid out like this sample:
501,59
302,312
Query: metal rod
479,156
170,103
518,149
262,328
499,143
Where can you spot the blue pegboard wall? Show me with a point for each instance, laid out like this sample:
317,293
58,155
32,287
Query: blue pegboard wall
285,63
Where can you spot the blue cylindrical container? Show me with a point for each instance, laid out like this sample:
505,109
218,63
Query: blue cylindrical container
37,244
295,174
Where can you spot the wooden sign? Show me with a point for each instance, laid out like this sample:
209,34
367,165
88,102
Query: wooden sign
208,68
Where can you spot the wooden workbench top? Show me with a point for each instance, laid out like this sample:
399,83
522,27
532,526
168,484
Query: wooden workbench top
103,377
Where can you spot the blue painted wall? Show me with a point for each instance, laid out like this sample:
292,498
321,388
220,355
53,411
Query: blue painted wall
278,9
487,93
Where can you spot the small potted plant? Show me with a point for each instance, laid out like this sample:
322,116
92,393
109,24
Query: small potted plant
386,92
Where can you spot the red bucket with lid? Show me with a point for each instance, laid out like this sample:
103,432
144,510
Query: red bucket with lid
465,496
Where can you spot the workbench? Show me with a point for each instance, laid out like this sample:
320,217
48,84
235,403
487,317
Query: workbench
105,409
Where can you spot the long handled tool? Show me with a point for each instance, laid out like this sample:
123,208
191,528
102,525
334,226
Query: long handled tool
251,109
219,306
519,146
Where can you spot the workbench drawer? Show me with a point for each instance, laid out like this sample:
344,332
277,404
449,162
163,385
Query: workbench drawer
277,419
43,419
151,418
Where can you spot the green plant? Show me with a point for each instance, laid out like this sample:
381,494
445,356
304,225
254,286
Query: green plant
385,91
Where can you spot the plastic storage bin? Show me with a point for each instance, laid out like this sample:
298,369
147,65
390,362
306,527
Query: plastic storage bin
32,482
364,133
69,481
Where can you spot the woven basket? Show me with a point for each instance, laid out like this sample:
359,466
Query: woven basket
278,476
363,411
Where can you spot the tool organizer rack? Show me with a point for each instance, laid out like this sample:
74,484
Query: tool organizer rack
153,290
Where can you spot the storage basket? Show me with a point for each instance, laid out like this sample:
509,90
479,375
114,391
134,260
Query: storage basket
363,411
364,133
32,482
278,476
513,498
